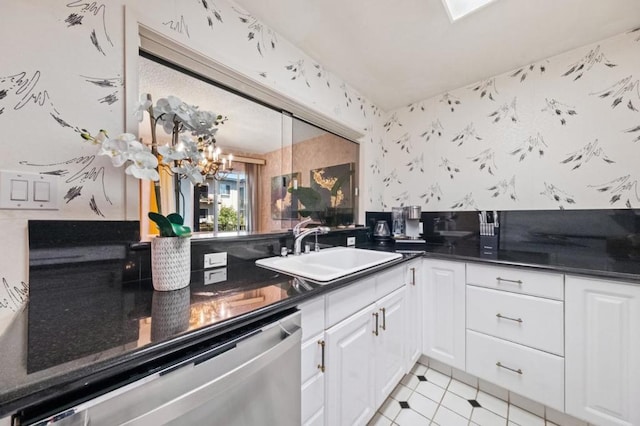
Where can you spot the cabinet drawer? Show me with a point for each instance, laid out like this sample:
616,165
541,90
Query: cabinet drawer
517,280
312,314
345,302
528,320
389,280
541,375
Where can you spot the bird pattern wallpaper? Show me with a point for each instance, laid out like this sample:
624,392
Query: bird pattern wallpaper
561,133
52,87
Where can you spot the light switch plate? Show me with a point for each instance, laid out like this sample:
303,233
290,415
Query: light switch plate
28,191
215,260
351,241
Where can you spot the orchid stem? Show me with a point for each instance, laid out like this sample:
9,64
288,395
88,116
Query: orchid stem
154,151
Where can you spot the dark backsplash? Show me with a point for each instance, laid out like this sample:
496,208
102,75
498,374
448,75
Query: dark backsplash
83,244
615,231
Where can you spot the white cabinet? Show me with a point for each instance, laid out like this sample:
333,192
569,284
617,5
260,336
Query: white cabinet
413,304
350,375
515,329
364,360
389,343
443,320
312,374
353,352
603,351
529,372
528,320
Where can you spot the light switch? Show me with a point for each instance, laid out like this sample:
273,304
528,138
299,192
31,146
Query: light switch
41,191
19,190
28,190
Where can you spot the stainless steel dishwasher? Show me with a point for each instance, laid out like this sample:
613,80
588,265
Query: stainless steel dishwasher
252,380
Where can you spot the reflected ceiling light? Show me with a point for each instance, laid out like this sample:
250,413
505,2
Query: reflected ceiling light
457,9
213,163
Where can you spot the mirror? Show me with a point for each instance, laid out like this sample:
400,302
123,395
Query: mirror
275,157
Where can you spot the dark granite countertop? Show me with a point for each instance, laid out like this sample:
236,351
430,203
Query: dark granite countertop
87,323
603,265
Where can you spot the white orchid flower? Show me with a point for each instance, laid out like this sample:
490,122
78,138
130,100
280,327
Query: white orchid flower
143,165
143,106
116,148
171,153
202,123
189,171
171,109
190,148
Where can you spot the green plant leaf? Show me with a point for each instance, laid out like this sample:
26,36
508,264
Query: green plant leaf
165,227
169,226
309,197
175,218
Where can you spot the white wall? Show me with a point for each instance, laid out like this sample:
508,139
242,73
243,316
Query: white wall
62,70
560,133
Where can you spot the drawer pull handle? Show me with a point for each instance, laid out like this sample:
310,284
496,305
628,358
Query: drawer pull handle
384,319
519,282
321,365
499,315
375,314
499,364
413,276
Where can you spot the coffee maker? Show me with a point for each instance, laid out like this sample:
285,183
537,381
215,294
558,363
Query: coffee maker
412,224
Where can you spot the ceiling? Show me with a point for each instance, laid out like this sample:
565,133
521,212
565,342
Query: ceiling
250,129
400,52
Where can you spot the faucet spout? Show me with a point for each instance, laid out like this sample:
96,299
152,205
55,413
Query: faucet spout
298,228
297,245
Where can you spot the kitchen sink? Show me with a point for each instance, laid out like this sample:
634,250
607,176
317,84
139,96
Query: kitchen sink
328,264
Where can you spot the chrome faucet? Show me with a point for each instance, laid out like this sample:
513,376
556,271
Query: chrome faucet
297,245
300,225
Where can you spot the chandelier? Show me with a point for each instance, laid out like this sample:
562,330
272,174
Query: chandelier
213,164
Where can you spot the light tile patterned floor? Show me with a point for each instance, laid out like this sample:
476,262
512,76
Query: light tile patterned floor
428,397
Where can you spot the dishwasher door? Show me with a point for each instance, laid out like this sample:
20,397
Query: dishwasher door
255,382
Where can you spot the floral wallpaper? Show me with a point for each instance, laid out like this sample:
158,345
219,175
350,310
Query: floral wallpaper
561,133
53,86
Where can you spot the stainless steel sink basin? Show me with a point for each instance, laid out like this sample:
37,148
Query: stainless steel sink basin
328,264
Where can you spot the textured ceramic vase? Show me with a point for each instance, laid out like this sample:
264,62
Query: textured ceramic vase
170,262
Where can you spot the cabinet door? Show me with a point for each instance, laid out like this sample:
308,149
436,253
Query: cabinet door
413,303
389,347
444,312
602,351
313,380
349,374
